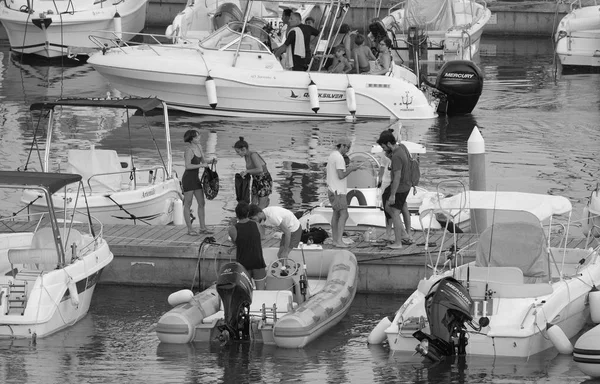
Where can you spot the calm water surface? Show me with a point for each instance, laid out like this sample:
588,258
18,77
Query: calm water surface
541,133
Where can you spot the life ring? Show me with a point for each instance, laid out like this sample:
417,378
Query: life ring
358,194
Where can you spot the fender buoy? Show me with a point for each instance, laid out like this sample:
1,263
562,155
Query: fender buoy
594,300
178,212
377,335
313,94
359,196
180,297
559,339
118,26
351,99
73,293
211,91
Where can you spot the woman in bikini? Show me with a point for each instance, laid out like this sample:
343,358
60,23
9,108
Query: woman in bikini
190,181
384,59
262,183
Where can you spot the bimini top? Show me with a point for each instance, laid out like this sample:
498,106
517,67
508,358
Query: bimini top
51,181
143,104
542,206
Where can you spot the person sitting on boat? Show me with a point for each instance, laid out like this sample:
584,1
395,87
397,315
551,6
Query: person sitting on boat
362,55
340,63
282,219
344,38
377,32
297,44
246,235
384,60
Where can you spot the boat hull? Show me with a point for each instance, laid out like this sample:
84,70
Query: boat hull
578,38
68,33
255,87
152,204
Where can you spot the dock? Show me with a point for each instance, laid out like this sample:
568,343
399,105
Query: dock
167,256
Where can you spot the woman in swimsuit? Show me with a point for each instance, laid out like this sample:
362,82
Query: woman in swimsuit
384,60
262,183
190,182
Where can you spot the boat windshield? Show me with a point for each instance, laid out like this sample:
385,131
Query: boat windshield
228,37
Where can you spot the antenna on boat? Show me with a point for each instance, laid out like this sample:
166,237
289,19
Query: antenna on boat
491,241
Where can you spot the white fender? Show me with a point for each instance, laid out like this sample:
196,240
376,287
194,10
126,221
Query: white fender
377,335
178,212
73,292
211,91
180,297
559,339
594,300
351,99
118,26
313,94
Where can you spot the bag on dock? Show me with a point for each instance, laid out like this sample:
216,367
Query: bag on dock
210,182
316,235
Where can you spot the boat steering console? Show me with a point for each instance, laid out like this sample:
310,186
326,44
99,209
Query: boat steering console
283,268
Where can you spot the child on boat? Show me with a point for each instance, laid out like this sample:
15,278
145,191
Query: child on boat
340,63
362,55
246,236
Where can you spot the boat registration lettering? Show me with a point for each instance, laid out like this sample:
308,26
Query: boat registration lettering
148,193
263,77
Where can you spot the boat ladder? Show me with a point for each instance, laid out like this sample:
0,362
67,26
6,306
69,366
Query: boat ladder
17,297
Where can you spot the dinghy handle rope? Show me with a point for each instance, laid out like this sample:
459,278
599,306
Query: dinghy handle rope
35,142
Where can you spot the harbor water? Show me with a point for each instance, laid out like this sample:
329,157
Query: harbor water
541,133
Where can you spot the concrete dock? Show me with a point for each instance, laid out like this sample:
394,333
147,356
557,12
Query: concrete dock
167,256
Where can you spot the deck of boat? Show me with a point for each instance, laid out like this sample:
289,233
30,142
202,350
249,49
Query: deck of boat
168,256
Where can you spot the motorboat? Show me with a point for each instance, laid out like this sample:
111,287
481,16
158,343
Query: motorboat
53,29
524,293
119,191
578,38
234,73
435,30
49,264
365,207
306,295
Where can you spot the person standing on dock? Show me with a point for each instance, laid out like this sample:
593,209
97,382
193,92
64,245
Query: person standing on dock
395,195
282,219
262,183
190,181
337,188
246,235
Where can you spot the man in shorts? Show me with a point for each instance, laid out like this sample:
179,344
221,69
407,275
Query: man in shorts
282,219
336,189
397,192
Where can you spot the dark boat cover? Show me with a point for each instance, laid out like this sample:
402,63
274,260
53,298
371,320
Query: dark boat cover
51,181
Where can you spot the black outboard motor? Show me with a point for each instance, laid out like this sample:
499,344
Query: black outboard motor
461,83
235,289
448,306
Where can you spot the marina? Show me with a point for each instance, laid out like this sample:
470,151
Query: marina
540,137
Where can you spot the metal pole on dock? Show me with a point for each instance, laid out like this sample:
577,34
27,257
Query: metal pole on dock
476,152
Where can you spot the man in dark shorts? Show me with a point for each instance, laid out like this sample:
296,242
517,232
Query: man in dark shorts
397,192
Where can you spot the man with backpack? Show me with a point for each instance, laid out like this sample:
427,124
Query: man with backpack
394,196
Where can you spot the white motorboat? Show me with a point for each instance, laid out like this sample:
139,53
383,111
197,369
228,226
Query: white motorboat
306,295
436,30
52,29
48,268
118,191
525,292
365,209
235,74
578,38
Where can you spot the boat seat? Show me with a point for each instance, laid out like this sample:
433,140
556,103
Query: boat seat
101,168
42,255
505,275
515,244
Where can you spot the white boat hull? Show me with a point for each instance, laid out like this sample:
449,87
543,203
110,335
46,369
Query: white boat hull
68,33
256,87
151,204
578,38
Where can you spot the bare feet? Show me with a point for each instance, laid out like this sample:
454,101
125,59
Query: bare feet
342,245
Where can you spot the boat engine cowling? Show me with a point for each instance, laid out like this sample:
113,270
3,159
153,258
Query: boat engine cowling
448,306
235,290
461,83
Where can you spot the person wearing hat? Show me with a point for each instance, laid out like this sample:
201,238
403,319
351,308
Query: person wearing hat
395,195
336,188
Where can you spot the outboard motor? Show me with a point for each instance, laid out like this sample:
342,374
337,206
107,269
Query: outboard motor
235,290
448,306
461,83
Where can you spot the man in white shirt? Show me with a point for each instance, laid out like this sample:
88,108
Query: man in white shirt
336,188
282,219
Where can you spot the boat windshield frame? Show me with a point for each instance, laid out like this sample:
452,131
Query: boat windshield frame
232,34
